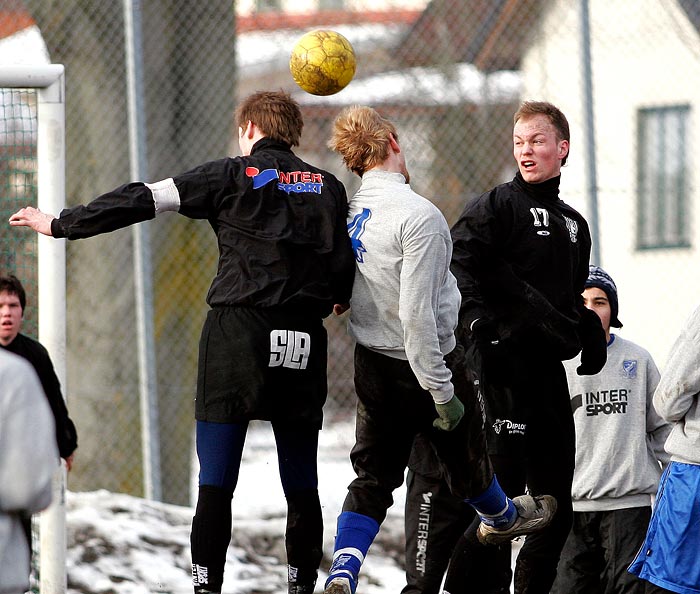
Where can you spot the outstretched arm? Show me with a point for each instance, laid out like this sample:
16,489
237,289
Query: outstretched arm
33,218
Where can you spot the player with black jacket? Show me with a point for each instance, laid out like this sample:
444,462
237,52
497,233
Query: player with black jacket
284,261
13,301
411,376
521,260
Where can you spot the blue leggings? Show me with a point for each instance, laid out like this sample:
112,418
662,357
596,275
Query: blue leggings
220,449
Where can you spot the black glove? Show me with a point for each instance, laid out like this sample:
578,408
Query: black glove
594,347
484,333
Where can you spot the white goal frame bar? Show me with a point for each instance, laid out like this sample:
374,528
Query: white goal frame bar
49,82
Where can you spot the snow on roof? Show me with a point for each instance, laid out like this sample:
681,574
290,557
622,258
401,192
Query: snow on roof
453,85
259,51
24,47
262,52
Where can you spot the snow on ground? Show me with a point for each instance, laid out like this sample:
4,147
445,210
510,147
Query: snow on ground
118,544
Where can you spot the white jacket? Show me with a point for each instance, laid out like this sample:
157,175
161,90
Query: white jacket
677,397
28,459
405,300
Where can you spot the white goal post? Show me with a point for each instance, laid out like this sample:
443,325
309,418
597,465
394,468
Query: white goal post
48,80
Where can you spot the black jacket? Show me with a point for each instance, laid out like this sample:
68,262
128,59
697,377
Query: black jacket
521,259
38,356
280,225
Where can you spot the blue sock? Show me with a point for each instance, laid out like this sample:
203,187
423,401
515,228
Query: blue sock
355,535
494,507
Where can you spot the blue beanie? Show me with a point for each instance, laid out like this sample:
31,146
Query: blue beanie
597,277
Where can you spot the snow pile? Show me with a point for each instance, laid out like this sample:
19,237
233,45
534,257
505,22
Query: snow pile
119,544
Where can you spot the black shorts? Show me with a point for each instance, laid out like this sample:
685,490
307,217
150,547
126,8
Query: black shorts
267,364
526,398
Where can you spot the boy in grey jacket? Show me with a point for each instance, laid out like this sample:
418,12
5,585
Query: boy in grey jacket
619,454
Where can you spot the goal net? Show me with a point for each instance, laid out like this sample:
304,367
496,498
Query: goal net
32,172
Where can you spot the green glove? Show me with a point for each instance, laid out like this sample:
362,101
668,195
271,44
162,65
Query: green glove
449,414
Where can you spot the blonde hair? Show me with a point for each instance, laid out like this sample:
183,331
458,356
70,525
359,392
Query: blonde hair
361,137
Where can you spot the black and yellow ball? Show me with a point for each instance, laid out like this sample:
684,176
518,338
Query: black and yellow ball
322,62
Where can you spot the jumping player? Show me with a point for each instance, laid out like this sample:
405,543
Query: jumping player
284,260
410,372
521,261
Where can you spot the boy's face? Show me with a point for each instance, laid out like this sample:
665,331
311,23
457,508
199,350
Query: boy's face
597,300
10,317
537,149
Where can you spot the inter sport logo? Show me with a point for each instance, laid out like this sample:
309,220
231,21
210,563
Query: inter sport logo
298,182
602,402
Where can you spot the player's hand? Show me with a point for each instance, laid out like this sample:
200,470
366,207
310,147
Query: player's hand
449,414
33,218
340,308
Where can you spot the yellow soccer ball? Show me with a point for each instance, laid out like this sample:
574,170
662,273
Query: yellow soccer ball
322,62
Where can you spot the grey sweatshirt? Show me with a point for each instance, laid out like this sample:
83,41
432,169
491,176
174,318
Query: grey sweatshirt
27,464
619,435
677,398
405,300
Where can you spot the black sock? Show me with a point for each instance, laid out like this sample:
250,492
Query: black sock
210,537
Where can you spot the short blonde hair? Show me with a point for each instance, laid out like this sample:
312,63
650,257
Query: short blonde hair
361,137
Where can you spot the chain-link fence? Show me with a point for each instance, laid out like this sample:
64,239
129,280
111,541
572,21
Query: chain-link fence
18,254
449,73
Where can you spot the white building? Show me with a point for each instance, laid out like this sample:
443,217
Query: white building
645,57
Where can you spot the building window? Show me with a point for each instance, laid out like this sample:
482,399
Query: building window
268,5
662,177
331,4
